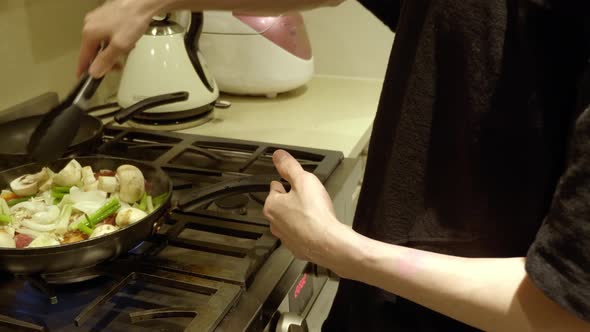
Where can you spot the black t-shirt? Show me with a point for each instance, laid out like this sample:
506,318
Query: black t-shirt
473,152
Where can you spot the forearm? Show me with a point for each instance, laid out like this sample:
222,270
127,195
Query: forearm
490,294
257,6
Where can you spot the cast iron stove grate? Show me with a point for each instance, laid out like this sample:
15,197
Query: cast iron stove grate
192,272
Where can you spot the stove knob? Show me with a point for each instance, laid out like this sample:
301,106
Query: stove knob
290,322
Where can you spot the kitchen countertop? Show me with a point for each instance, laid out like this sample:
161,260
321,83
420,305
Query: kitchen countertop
333,113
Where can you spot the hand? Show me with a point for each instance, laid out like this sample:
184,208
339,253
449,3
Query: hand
118,24
304,218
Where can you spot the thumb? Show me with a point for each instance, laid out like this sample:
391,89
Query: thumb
287,166
277,187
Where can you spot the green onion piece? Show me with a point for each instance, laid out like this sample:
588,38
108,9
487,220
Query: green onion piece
105,214
15,201
84,228
65,190
5,219
143,202
111,206
57,194
159,200
150,205
4,209
114,201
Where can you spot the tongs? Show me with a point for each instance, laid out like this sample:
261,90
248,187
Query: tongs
58,128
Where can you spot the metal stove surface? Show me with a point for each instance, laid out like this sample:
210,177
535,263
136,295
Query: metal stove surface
193,272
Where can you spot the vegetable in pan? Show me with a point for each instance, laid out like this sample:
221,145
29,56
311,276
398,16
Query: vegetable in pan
75,204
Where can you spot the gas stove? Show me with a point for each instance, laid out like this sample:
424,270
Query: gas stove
212,266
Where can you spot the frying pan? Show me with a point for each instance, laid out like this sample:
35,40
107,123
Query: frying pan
87,253
16,133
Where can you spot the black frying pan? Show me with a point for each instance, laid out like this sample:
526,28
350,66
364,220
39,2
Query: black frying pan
92,251
16,133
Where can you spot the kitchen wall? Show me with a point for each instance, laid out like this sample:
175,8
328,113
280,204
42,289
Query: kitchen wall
39,46
40,42
349,41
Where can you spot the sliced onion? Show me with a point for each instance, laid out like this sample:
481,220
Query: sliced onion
29,232
87,207
32,206
38,227
44,240
46,197
77,195
46,217
10,230
6,241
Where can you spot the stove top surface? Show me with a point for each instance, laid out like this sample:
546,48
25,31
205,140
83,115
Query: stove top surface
193,271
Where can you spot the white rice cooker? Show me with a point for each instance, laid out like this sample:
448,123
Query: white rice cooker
256,55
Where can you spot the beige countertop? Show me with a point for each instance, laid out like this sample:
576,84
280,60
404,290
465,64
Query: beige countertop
331,113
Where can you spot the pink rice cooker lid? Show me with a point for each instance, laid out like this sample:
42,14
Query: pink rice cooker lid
286,31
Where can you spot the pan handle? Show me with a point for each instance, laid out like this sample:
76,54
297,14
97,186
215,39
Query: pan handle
254,183
125,114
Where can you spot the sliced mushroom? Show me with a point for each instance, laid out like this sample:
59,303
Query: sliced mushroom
108,184
45,179
89,181
103,230
44,175
25,185
131,183
91,187
30,184
70,175
128,216
46,185
87,175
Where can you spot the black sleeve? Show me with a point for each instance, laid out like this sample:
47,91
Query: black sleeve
387,11
558,262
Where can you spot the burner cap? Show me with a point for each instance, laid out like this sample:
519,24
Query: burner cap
66,277
233,202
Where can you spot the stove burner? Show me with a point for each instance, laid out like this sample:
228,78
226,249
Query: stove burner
42,286
236,204
259,197
72,276
45,283
172,125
